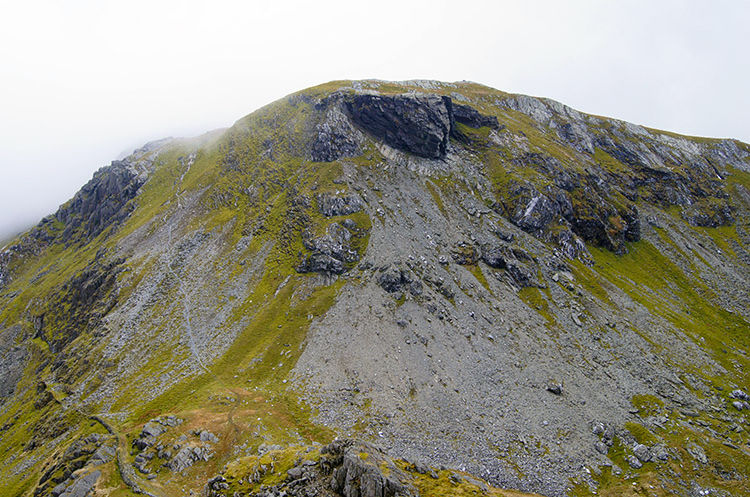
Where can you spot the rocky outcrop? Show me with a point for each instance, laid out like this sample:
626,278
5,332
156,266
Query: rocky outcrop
416,123
158,448
67,476
81,486
335,137
331,205
393,279
358,477
80,304
587,207
331,253
346,468
12,361
469,116
103,201
465,254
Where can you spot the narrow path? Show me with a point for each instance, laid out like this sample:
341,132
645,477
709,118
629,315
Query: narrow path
186,303
127,473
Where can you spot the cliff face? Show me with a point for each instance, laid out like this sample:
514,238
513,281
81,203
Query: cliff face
496,284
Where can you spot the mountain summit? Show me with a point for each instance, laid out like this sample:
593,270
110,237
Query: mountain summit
372,289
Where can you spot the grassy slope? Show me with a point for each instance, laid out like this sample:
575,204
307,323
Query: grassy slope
281,318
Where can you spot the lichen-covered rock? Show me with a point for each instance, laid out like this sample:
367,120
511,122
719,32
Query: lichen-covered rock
330,253
63,478
81,486
465,254
346,468
332,205
335,136
187,456
80,304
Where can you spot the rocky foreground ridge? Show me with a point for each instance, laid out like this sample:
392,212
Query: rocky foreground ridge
375,289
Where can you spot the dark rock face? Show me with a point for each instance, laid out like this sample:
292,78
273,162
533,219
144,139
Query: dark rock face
496,256
469,116
589,210
330,205
80,305
4,261
11,368
521,274
536,214
415,123
330,252
101,202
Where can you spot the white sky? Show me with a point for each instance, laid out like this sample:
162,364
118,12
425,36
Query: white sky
83,81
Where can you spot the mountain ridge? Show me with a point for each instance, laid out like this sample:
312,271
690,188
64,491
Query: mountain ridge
474,279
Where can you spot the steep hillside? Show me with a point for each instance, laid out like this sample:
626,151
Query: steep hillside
372,289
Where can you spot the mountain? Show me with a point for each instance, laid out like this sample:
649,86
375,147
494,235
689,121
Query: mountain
371,288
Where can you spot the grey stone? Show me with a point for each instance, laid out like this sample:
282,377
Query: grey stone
634,462
642,452
697,452
207,436
330,205
739,394
330,252
555,387
295,472
82,485
152,429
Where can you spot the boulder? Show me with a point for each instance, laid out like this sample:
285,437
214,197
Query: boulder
465,254
536,214
697,452
152,429
642,453
634,462
555,387
393,279
207,436
521,274
359,478
739,394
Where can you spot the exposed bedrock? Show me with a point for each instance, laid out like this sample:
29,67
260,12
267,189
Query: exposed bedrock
415,123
